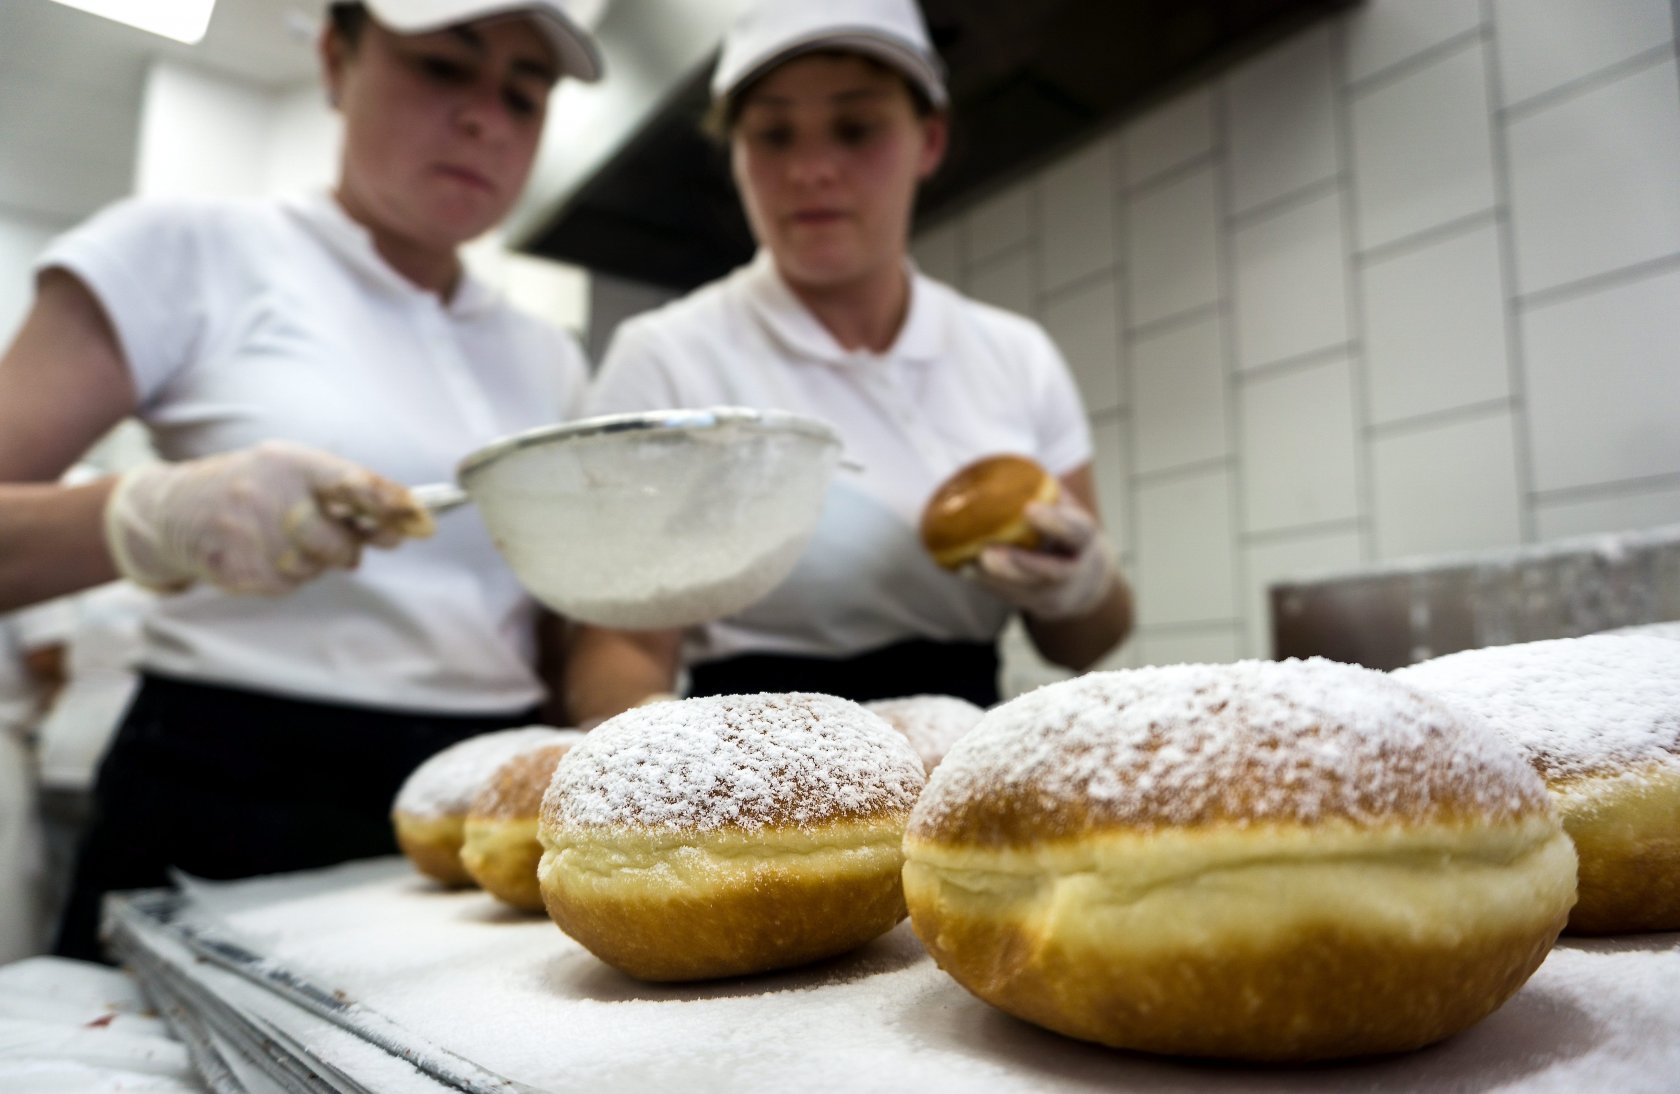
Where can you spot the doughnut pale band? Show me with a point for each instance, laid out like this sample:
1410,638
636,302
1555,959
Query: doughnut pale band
1265,942
743,901
501,855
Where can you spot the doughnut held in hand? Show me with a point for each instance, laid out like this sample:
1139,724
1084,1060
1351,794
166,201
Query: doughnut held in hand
499,839
985,503
430,810
1599,718
729,834
1260,861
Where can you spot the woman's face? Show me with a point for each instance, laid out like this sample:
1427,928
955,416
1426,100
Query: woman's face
827,152
440,129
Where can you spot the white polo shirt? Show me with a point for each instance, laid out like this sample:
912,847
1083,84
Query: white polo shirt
962,380
243,321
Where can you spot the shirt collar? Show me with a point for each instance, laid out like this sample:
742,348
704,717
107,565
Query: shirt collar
321,213
921,338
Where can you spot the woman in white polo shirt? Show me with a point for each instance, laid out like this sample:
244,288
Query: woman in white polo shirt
293,361
834,113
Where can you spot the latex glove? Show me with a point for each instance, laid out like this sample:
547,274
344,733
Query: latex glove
1068,574
260,520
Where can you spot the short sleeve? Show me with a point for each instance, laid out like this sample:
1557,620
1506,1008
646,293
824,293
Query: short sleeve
45,624
1059,421
142,262
635,373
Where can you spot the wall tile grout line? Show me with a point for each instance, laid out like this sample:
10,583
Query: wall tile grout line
1287,203
1409,66
1515,353
1432,419
1122,305
1587,286
1303,532
1582,85
1183,472
1428,237
1357,352
1168,323
1226,276
1081,283
1619,488
1178,172
1298,362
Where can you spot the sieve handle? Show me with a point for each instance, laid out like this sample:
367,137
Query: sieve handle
439,497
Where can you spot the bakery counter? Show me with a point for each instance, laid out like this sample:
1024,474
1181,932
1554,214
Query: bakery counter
367,977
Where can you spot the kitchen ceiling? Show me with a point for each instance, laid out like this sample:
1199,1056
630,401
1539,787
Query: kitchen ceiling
1027,81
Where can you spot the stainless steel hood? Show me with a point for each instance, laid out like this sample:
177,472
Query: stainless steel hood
630,187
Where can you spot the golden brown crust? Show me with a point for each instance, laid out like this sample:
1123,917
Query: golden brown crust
516,790
433,845
1627,833
982,504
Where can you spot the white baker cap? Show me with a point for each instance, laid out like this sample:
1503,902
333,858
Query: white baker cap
563,23
771,31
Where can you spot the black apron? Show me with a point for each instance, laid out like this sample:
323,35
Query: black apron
226,783
968,670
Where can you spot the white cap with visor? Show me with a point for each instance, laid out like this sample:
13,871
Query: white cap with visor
563,22
772,31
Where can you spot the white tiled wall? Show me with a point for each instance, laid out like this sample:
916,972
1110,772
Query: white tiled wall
1408,282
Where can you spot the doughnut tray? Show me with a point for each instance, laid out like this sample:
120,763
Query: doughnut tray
367,978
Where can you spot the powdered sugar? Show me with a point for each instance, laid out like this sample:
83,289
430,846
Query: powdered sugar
520,998
1670,630
448,781
739,761
1598,704
932,723
1253,740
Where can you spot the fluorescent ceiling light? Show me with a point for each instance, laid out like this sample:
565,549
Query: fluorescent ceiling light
182,20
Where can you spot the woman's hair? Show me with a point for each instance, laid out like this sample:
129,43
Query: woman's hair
348,18
720,119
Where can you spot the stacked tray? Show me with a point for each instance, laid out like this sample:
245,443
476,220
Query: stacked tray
365,977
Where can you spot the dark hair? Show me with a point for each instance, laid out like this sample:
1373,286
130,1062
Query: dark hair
348,19
720,118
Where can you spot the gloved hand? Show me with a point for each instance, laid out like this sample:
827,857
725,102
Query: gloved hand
1069,573
260,520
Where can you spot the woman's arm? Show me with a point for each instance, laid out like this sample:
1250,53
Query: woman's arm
1079,641
610,671
63,385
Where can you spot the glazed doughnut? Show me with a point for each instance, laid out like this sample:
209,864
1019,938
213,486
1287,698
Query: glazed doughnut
1599,718
499,839
728,834
932,723
982,504
430,810
1259,861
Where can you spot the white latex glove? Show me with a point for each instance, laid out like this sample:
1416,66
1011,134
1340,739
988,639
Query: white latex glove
1069,573
260,520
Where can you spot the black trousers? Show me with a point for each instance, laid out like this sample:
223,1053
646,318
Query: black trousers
968,670
226,783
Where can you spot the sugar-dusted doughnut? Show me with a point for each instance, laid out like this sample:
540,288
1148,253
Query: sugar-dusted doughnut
985,503
1261,860
499,840
1599,717
729,834
430,809
932,723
